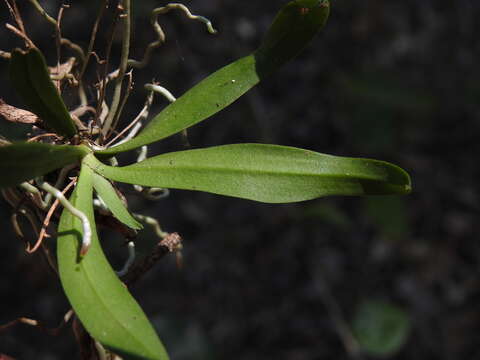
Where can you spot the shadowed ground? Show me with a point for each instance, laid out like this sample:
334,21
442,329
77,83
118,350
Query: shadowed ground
391,80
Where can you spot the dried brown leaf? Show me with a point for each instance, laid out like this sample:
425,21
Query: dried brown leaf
16,115
62,70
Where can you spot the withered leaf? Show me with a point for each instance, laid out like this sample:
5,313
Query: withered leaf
16,115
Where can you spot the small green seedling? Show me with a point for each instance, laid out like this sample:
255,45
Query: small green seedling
75,150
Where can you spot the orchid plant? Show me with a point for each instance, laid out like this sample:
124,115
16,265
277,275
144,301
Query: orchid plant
66,172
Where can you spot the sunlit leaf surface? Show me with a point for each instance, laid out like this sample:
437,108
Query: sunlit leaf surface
266,173
101,301
295,25
24,161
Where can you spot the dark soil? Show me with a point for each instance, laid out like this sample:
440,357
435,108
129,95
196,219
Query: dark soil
397,81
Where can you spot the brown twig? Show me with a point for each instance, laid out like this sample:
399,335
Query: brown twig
142,115
15,13
75,47
31,217
46,221
31,322
5,55
170,243
58,39
104,78
20,34
93,36
122,68
35,138
16,115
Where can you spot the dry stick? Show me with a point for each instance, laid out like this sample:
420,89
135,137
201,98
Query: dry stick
35,138
20,34
104,79
30,217
86,227
46,221
12,196
50,259
58,40
5,55
142,115
86,57
60,180
18,17
15,13
161,35
75,47
122,68
93,36
81,110
170,243
36,323
80,55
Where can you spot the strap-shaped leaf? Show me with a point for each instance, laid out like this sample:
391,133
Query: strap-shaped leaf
295,25
266,173
24,161
31,79
102,303
109,196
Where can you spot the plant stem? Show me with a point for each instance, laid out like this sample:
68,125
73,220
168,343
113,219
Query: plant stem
122,68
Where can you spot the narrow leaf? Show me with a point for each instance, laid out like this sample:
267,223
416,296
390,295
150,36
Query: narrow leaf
22,84
294,26
109,196
31,79
24,161
100,300
266,173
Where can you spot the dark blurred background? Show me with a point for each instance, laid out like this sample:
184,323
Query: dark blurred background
393,80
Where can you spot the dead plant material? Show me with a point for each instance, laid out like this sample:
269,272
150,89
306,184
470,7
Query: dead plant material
16,115
171,243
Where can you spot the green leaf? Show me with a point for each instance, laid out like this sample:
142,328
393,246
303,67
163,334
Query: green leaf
266,173
381,328
294,26
24,161
109,196
100,300
31,79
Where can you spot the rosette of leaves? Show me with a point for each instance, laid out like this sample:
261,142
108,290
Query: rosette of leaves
260,172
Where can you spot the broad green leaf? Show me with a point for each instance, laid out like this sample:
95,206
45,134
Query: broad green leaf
109,196
31,79
266,173
381,328
24,161
294,26
100,300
